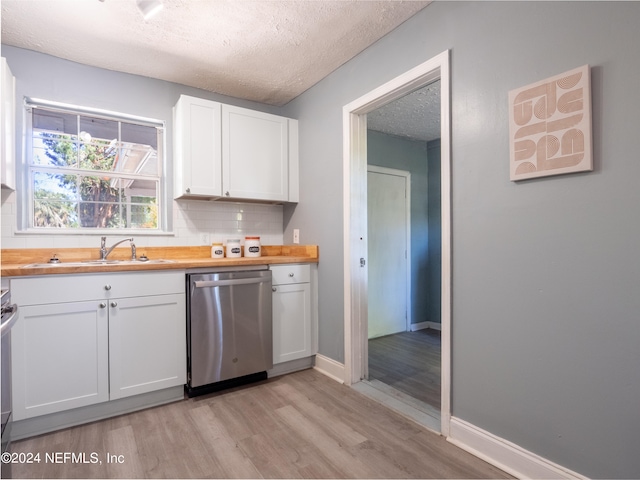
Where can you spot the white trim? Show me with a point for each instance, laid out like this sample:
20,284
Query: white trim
424,325
355,244
445,210
503,454
407,186
30,102
294,161
330,368
354,164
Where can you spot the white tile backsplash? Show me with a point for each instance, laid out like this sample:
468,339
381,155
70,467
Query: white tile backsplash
195,222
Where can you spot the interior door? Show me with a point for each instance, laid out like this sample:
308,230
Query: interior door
387,234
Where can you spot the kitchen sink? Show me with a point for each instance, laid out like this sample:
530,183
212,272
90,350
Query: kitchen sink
97,263
125,262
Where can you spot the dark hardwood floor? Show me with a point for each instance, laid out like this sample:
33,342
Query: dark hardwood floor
408,362
301,425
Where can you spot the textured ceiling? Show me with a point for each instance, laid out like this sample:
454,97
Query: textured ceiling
415,116
269,51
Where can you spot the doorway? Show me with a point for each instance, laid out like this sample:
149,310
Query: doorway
355,217
404,334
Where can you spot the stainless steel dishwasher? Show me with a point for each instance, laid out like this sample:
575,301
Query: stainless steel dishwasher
229,327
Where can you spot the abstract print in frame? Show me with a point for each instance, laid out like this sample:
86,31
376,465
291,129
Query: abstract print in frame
550,126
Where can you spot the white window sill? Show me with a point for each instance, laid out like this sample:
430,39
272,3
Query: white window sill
96,232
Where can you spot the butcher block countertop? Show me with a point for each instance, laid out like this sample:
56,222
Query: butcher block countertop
14,260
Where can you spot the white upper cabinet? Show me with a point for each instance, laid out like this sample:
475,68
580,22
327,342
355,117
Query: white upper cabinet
197,149
7,139
255,155
222,151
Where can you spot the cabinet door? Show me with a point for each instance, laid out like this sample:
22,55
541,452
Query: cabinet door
255,155
7,128
197,148
60,358
291,322
147,344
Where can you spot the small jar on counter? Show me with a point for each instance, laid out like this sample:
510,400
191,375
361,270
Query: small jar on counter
252,247
233,248
217,250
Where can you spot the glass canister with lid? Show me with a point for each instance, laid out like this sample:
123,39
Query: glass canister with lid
252,247
233,248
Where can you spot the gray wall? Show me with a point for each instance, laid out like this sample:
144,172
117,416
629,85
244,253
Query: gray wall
546,330
396,152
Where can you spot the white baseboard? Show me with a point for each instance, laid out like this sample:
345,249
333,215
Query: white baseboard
422,325
329,367
503,454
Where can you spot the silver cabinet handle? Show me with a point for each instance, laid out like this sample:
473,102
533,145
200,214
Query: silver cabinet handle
114,304
103,305
274,289
188,190
291,274
107,287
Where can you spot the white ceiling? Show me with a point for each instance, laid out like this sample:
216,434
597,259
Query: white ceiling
269,51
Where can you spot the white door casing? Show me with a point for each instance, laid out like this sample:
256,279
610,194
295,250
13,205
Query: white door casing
388,220
354,201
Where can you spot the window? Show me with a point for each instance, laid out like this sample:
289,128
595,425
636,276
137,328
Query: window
88,169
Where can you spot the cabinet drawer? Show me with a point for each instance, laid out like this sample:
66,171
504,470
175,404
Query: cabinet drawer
288,274
77,288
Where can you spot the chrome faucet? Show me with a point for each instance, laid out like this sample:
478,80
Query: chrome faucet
104,251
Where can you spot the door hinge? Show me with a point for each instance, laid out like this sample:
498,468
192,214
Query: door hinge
362,262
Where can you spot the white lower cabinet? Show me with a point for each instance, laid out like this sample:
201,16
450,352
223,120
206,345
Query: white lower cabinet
144,351
128,339
292,313
60,358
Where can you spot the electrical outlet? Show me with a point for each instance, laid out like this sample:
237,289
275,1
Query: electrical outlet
296,235
205,239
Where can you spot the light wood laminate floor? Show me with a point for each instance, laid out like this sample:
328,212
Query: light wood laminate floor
301,425
409,362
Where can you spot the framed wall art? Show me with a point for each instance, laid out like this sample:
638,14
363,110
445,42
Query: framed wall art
550,126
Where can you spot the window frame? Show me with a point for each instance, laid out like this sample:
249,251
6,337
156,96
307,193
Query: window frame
26,197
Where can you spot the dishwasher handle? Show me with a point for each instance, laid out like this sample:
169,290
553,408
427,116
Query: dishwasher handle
224,283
